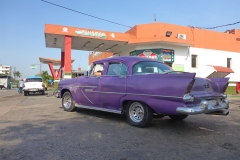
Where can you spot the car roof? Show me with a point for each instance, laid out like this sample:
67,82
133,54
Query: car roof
34,77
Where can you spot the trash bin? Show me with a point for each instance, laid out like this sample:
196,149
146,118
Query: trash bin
237,87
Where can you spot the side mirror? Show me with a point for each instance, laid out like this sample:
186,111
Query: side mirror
86,74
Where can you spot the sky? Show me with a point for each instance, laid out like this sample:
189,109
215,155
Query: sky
22,39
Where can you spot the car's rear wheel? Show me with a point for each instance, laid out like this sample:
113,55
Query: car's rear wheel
25,93
43,92
178,117
67,102
139,114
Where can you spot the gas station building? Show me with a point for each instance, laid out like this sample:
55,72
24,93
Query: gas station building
208,53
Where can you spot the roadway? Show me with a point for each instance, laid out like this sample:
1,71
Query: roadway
36,127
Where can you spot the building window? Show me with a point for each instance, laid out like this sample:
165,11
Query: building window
194,61
229,62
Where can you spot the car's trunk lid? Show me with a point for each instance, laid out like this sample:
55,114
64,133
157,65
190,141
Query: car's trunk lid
33,84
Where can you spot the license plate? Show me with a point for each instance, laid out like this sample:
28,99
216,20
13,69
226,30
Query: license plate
212,102
33,90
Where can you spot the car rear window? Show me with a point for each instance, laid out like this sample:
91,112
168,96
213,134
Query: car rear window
151,67
33,80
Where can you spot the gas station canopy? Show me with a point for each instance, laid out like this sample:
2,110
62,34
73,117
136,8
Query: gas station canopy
55,62
85,39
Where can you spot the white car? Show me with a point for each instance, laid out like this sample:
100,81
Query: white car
33,84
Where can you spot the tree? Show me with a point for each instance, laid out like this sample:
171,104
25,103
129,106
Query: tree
46,77
17,74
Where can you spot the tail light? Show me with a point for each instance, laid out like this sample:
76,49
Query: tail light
23,85
189,88
43,85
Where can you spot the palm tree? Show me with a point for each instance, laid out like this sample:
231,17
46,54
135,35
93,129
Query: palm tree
14,74
17,74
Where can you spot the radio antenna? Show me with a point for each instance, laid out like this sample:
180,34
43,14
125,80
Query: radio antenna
155,19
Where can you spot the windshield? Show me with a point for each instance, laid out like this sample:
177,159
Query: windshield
151,67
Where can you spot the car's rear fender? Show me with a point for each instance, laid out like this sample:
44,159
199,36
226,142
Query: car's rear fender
160,85
159,105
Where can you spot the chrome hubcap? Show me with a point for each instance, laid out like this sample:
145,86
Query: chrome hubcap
136,112
67,102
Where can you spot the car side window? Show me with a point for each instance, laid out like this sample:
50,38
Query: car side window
97,69
124,69
117,69
150,67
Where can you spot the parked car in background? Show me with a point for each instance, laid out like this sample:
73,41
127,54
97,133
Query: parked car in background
33,84
143,87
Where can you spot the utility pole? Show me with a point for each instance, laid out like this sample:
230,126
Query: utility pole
40,68
14,72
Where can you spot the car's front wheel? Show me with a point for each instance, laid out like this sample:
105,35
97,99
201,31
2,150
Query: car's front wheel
67,102
178,117
139,114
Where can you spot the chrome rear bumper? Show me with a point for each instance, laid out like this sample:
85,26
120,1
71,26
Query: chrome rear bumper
207,107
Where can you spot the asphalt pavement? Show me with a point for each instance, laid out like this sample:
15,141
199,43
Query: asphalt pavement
36,127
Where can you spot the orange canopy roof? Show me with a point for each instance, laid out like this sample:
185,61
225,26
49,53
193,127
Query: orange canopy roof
223,69
55,62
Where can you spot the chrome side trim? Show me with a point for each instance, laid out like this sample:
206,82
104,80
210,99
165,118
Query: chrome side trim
86,86
77,85
98,109
135,94
88,90
154,95
86,97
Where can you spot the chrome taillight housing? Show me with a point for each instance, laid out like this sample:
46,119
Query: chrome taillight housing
188,98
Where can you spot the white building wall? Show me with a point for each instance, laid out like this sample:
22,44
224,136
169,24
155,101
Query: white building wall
4,69
207,57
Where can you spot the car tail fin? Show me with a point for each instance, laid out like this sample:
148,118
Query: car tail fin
221,82
190,85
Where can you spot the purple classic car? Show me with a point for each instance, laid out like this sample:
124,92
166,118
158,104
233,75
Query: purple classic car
142,88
